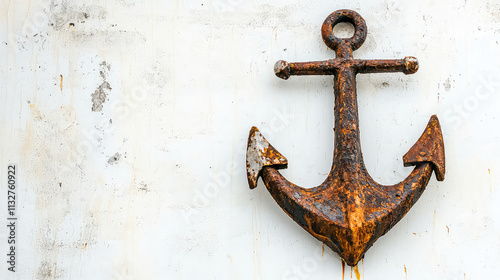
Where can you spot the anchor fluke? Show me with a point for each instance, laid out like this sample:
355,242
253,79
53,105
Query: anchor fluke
429,148
260,154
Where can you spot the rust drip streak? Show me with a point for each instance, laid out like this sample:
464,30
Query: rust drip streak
343,268
363,264
356,270
489,177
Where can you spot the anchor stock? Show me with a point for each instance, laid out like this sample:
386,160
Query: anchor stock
349,211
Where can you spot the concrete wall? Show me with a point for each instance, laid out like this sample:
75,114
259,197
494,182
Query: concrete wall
127,121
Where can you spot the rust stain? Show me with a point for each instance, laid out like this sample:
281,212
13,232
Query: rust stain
343,268
356,270
406,273
489,177
448,229
85,246
349,211
61,82
322,250
434,220
363,264
27,13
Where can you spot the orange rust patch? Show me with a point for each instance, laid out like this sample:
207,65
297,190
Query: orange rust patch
356,270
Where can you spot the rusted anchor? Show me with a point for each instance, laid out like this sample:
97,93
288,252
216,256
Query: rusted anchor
349,211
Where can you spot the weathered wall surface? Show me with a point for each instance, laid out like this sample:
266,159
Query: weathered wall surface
128,120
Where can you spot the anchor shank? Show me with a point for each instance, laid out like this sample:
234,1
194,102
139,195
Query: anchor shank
347,152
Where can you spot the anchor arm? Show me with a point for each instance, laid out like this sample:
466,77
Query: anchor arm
387,205
383,207
326,222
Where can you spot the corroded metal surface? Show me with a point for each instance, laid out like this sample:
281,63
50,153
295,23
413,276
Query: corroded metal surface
260,154
349,211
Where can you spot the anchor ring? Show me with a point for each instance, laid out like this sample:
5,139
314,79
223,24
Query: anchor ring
360,29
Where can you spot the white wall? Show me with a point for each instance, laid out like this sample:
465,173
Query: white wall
188,79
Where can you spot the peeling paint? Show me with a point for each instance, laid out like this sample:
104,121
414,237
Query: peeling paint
100,94
114,159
